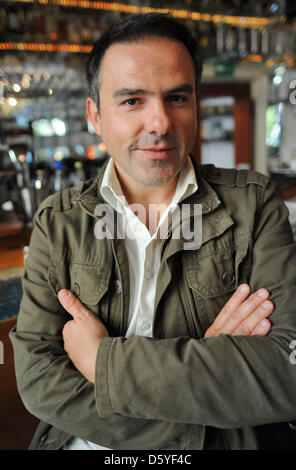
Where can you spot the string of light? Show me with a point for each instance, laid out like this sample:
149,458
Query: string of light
240,21
45,47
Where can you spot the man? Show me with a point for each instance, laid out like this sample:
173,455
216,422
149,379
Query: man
157,346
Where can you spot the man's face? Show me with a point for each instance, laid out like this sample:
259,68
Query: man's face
147,117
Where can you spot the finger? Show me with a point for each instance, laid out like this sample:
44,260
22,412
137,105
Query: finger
72,304
251,322
262,329
66,330
232,305
247,308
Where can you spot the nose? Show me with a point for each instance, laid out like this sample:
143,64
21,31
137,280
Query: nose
157,120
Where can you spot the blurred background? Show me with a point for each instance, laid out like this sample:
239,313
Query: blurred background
246,116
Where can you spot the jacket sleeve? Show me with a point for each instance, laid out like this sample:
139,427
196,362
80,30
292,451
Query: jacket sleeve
50,386
225,381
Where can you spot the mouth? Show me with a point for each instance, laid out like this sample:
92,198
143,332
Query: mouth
158,153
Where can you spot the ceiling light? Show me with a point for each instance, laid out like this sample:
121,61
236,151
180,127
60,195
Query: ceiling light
12,102
16,87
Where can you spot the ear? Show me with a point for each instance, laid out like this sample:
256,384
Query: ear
93,115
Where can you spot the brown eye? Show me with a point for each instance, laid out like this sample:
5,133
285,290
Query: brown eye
131,101
177,98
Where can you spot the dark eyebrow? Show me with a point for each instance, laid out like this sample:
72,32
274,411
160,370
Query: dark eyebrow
184,88
129,92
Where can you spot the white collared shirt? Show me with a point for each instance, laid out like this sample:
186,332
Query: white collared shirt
143,247
143,256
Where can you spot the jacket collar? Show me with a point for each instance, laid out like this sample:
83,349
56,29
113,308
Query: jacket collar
216,219
90,197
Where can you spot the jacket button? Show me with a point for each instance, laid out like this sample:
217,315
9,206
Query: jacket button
76,288
228,277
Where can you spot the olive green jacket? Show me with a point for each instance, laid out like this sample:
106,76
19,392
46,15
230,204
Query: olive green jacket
176,390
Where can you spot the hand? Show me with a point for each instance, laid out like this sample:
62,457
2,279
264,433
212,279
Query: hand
243,314
82,335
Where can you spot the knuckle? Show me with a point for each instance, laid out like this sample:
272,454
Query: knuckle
66,327
243,330
237,315
227,310
73,303
251,304
252,301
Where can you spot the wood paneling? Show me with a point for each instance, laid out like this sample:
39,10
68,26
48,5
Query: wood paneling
11,258
12,246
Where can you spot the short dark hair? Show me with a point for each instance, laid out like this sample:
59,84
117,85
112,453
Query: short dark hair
133,28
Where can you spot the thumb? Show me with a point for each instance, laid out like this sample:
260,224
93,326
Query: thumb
71,304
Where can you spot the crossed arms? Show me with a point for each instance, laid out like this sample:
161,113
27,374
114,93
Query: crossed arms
242,315
234,367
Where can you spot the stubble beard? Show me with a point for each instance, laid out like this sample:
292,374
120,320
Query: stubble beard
158,172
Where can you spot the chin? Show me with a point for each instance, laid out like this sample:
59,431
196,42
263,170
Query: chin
159,178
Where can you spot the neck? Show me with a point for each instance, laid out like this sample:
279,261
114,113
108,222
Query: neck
148,202
148,195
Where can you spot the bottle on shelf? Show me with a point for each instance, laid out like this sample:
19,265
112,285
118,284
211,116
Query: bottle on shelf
58,177
24,188
42,186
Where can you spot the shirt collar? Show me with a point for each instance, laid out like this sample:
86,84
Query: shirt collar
112,192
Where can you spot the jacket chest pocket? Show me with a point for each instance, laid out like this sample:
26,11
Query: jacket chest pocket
90,283
213,278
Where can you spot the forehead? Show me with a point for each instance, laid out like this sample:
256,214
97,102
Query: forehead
147,59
